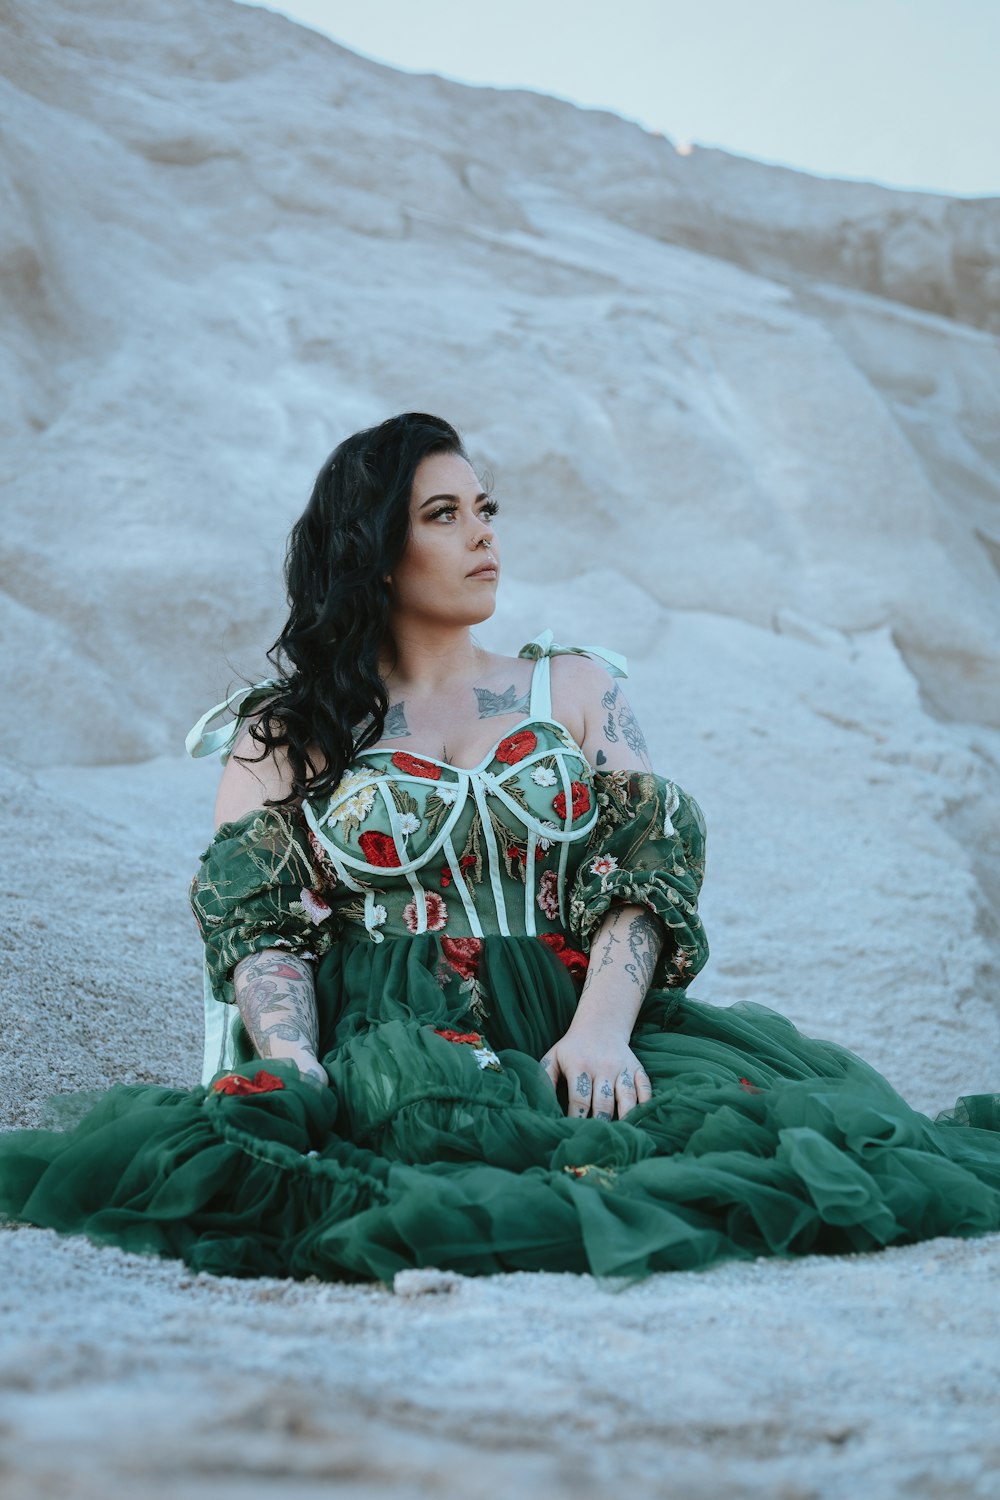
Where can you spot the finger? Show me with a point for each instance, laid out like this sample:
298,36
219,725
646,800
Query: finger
548,1066
643,1087
581,1092
625,1092
604,1100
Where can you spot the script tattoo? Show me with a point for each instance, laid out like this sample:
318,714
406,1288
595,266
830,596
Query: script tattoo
607,959
608,701
491,704
275,997
396,727
620,717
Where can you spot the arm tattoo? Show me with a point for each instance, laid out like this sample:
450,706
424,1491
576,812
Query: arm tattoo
606,958
508,702
620,717
275,997
608,701
645,939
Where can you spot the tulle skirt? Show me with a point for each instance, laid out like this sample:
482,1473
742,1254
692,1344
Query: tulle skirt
441,1142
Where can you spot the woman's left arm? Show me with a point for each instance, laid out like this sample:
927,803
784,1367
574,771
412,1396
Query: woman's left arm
602,1072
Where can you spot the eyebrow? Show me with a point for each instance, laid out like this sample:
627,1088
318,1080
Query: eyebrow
457,498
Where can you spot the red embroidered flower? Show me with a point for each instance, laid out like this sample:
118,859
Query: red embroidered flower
514,853
447,875
460,1036
581,801
751,1088
575,961
437,912
235,1083
516,746
463,954
379,849
414,766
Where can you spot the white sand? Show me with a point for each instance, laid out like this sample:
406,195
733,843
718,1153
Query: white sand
743,424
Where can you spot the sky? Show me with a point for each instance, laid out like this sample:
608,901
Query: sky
899,92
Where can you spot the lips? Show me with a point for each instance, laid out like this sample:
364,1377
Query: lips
488,570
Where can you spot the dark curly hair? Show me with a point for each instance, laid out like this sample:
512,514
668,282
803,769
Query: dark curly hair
352,533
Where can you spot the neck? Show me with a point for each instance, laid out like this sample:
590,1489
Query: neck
430,657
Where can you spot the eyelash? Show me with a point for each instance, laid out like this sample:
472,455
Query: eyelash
489,509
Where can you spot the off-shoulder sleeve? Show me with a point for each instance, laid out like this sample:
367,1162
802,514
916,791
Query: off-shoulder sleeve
260,885
647,848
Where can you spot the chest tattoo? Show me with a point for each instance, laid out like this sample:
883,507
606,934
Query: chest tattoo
507,702
396,727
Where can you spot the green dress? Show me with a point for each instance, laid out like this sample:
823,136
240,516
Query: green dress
451,912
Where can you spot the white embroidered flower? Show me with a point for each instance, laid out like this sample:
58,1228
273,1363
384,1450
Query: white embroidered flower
446,794
408,823
668,827
604,864
357,806
489,781
486,1057
378,916
316,908
543,843
543,776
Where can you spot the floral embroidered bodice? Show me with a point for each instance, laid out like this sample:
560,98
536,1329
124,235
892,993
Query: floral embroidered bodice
413,844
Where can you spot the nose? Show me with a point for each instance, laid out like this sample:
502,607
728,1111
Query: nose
482,532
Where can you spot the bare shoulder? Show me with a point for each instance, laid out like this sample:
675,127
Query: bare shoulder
579,686
250,782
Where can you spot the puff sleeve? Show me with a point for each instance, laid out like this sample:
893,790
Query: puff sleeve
260,884
647,848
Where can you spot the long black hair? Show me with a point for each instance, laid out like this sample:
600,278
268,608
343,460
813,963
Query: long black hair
351,534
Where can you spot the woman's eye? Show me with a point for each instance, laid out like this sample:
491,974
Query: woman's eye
489,510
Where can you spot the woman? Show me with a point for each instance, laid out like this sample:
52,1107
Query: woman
450,915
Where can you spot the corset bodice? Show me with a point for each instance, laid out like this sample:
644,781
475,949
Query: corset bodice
413,844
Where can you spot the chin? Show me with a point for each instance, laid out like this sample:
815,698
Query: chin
488,608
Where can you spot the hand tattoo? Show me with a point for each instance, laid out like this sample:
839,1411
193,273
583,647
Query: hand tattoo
583,1085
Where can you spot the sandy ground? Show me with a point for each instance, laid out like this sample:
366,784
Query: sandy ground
826,1377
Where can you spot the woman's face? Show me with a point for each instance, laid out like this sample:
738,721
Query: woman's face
447,573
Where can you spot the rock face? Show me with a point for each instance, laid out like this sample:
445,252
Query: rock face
225,242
